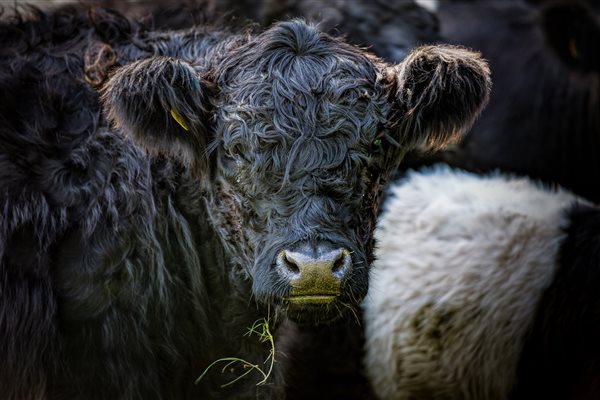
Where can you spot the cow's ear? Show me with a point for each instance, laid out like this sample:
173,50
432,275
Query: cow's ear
573,32
438,93
162,102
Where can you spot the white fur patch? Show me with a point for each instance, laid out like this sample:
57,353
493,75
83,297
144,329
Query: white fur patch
462,263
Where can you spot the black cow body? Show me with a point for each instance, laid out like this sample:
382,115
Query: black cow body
124,273
544,119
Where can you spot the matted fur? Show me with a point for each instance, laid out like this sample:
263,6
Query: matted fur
462,264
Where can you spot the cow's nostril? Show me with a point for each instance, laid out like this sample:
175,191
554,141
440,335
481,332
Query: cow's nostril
288,263
339,262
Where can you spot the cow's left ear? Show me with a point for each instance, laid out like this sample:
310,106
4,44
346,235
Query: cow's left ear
162,102
439,91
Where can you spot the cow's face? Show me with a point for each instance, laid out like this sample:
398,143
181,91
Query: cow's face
301,131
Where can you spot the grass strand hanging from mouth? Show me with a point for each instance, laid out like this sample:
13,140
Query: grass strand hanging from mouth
261,329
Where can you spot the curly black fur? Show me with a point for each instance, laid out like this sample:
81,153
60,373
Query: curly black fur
125,273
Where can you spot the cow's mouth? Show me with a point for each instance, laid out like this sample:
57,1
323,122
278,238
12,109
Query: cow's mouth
314,308
311,299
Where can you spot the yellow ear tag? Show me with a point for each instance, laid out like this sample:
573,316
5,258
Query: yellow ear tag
178,119
573,48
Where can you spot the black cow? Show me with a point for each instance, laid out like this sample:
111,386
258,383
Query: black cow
543,121
124,273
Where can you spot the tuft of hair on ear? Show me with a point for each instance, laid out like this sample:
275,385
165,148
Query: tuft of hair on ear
162,103
439,91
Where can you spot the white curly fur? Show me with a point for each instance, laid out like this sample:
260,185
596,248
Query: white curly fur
462,263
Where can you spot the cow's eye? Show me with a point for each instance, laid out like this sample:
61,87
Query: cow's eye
376,146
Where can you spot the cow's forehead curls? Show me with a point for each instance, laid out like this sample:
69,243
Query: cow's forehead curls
276,51
293,82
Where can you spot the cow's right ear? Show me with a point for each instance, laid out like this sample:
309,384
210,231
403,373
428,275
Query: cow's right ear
438,92
162,103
